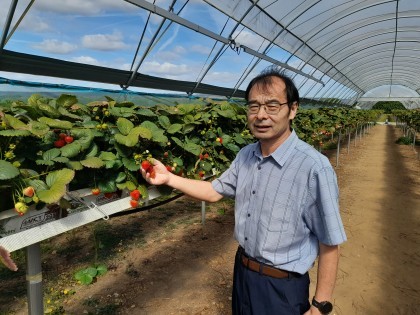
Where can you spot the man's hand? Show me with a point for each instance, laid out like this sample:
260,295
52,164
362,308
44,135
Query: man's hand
6,260
160,174
313,311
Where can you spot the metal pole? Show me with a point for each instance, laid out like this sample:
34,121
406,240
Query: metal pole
203,212
348,142
338,149
34,279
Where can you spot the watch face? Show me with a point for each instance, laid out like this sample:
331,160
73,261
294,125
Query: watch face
326,307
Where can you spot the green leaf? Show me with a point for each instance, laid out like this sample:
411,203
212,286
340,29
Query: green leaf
186,108
178,142
206,166
37,128
130,164
56,182
65,112
51,154
143,191
142,132
15,123
37,184
66,100
92,162
75,165
71,150
15,133
102,269
164,121
193,148
56,123
44,162
188,128
61,159
129,141
107,156
93,150
7,170
233,147
121,177
107,186
124,125
174,128
85,276
48,110
146,112
159,136
84,137
189,119
130,185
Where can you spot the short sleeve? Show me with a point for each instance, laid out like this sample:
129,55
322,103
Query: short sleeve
322,214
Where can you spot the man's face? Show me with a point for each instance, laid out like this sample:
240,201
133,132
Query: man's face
270,127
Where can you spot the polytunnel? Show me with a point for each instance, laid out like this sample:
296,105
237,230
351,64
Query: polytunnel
334,50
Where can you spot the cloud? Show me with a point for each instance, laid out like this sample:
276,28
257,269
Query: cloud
104,42
86,60
55,46
201,49
165,69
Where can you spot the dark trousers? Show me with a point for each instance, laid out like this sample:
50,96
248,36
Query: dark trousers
256,294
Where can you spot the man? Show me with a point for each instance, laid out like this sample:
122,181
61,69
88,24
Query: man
286,208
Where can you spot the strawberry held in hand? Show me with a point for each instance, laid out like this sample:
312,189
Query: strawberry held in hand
148,168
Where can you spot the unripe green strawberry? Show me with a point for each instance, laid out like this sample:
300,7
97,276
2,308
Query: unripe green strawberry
21,208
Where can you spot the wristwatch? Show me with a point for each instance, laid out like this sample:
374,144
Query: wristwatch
324,307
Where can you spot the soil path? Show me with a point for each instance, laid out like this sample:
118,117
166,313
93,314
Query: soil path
175,265
380,201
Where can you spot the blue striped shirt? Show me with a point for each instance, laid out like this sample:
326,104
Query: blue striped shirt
284,203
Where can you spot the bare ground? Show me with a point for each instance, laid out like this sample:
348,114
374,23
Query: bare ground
164,261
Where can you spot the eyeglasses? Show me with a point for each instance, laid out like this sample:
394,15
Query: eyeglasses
271,108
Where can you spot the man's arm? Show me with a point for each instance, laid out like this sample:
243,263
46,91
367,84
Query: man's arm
198,189
327,273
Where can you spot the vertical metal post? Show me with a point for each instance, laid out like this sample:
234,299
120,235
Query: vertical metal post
348,142
34,279
338,149
203,212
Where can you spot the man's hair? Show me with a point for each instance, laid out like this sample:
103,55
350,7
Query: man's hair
265,79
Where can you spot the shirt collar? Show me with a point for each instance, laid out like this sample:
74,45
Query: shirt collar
282,153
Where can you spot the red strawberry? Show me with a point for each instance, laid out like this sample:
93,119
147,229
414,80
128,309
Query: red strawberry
96,191
220,140
29,191
134,203
206,156
62,135
108,195
201,174
59,143
135,194
145,165
201,156
152,173
68,139
169,168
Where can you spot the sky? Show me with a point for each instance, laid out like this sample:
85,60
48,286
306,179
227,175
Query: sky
107,33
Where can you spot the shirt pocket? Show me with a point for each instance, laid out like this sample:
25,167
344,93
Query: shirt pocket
279,218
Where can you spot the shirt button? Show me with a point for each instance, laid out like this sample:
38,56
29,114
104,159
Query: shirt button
259,167
246,238
253,192
249,214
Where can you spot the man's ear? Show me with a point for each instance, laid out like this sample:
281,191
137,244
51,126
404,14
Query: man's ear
293,110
